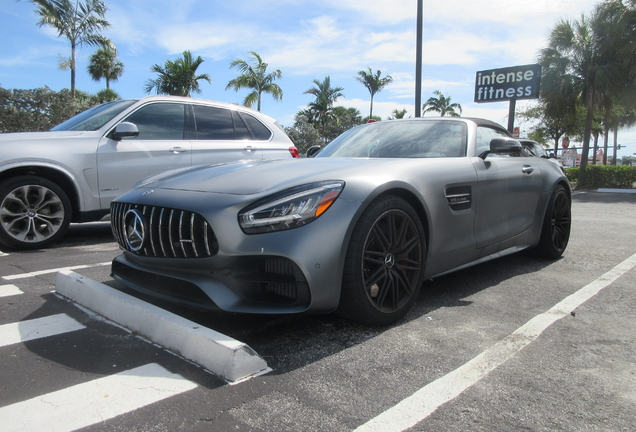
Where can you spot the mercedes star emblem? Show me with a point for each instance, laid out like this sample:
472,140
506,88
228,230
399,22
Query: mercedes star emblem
135,230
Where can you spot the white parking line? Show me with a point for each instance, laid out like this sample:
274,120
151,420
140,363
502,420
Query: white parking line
94,401
425,401
42,272
9,290
37,328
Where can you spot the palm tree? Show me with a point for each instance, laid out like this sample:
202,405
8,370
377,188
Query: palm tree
442,105
326,96
177,78
104,64
254,77
588,58
80,22
398,114
373,83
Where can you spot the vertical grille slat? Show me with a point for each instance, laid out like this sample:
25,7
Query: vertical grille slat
193,237
182,240
160,233
153,231
205,233
169,233
170,236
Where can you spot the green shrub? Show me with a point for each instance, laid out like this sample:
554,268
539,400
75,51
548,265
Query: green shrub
604,176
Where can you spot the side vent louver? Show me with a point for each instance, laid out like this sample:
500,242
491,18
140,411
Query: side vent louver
459,197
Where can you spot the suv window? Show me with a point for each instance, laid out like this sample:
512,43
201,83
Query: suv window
213,123
159,121
484,136
259,130
242,132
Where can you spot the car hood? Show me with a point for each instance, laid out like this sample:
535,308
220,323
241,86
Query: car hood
32,136
253,177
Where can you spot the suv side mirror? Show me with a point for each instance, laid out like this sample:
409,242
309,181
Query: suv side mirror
313,151
125,130
502,146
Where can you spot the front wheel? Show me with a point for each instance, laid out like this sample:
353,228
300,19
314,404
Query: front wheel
34,213
555,232
384,265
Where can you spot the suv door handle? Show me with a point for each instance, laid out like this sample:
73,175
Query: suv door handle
177,150
249,149
527,169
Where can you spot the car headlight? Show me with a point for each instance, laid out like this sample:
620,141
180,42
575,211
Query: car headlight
290,209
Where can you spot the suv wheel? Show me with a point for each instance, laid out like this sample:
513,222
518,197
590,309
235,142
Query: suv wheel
34,212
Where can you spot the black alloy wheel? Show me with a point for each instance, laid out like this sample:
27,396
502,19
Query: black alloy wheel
385,263
555,232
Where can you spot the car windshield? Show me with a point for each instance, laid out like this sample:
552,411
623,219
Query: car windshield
94,118
401,139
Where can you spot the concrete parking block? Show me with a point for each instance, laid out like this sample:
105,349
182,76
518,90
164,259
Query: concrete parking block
227,357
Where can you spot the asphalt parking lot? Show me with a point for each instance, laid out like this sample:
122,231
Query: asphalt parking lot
491,348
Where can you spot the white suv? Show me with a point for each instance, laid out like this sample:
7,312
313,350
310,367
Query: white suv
73,172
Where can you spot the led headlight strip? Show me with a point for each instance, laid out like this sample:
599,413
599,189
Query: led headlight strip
291,208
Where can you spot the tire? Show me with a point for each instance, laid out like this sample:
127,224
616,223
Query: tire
34,213
555,232
384,265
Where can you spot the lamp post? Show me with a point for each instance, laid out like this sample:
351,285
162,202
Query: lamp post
418,60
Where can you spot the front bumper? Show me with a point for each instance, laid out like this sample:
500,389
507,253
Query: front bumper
298,270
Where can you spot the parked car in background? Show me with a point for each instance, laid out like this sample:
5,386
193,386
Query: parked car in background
71,173
355,229
536,149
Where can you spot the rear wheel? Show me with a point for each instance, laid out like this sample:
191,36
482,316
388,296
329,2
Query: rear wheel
384,265
34,213
555,232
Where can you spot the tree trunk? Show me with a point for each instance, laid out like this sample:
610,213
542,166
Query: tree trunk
73,70
586,142
615,144
605,144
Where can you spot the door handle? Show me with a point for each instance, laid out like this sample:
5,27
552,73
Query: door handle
249,149
177,150
527,169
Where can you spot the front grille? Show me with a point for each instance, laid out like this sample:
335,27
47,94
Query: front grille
168,233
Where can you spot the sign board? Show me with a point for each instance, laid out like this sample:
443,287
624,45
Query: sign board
511,83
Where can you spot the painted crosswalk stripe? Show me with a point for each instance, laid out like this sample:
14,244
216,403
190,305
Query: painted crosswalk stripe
55,270
95,401
37,328
9,290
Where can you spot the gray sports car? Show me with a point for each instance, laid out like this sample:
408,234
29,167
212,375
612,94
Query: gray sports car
355,229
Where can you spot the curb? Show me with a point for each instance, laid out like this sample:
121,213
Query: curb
227,357
627,191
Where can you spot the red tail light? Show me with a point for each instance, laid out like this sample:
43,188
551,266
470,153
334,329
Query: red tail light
294,152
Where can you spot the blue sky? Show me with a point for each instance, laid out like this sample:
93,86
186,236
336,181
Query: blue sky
306,40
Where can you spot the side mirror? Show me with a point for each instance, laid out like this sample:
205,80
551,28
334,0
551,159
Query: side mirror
502,146
313,151
125,130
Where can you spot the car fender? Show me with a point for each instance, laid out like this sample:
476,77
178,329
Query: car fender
71,183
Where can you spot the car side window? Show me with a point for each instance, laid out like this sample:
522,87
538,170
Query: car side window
213,123
484,136
159,121
259,130
241,130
